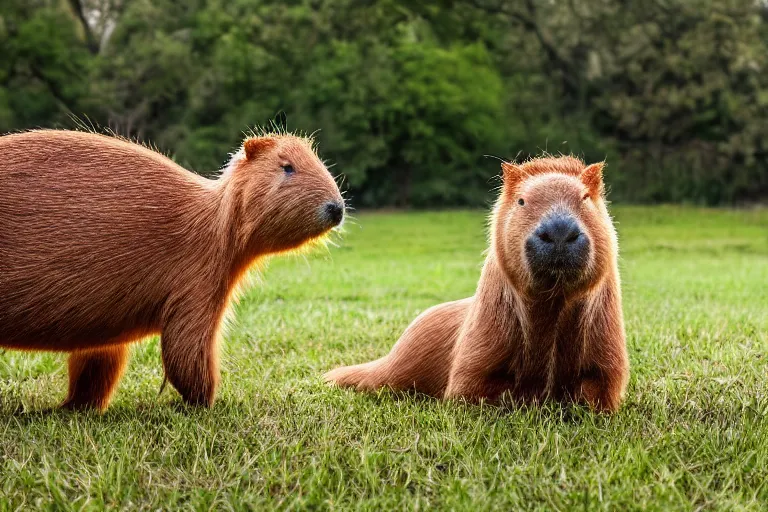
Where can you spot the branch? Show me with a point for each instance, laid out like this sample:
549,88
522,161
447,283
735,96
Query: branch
53,88
90,39
528,21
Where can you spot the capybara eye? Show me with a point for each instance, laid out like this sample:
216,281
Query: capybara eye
521,201
288,169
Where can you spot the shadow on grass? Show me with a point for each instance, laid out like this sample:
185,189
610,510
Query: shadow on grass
548,411
161,408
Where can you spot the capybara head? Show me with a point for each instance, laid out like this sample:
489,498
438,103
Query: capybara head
552,231
285,192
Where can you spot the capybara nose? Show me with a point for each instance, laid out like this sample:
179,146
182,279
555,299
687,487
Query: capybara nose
557,244
334,212
559,230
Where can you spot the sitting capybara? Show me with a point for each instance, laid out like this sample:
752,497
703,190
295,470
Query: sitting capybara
104,242
545,321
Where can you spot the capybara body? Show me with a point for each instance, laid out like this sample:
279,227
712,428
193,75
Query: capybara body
546,319
104,242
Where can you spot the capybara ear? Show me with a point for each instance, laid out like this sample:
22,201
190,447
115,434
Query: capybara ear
592,177
512,173
257,145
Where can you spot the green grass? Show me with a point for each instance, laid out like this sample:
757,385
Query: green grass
693,433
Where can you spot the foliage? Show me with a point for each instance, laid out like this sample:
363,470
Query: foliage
408,97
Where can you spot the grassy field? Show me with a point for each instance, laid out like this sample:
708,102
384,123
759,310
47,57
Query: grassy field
693,433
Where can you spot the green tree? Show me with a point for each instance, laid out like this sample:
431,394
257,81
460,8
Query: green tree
409,96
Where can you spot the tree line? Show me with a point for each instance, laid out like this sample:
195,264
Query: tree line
412,100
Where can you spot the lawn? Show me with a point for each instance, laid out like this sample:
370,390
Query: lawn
692,434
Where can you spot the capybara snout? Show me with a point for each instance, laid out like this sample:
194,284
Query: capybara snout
332,213
558,247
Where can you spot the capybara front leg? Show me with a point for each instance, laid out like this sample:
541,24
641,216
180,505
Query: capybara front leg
480,369
93,376
190,359
603,380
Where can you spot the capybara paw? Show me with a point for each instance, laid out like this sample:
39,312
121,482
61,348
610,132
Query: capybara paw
593,392
478,390
74,404
198,400
346,377
197,391
338,377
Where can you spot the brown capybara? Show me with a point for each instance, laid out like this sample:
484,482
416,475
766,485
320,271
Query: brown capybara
104,242
545,321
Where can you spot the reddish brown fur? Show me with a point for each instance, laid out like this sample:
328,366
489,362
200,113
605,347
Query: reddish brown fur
565,343
104,242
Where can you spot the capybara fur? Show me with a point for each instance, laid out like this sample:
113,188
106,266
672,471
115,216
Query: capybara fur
545,321
104,242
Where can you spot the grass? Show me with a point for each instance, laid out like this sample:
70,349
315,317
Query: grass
693,433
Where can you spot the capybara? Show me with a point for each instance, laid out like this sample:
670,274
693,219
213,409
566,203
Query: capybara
104,242
545,321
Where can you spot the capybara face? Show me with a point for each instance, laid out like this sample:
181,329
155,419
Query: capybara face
284,172
553,231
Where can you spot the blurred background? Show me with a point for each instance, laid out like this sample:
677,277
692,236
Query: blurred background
409,97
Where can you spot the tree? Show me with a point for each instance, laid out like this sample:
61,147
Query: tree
409,96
